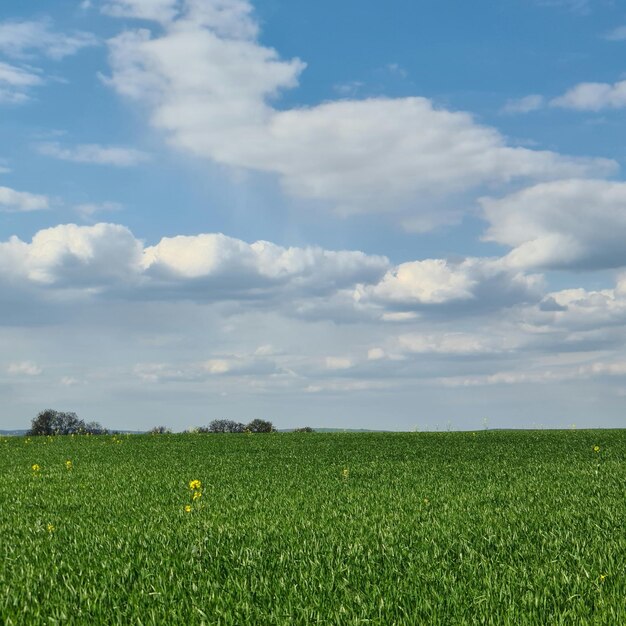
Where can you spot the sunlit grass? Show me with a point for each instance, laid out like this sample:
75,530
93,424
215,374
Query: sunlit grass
412,528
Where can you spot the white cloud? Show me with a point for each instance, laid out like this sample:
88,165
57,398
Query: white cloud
157,10
540,375
16,82
119,156
24,368
593,97
231,264
338,362
17,76
206,267
561,224
11,200
229,365
471,283
21,38
107,261
209,85
580,310
525,104
73,257
375,354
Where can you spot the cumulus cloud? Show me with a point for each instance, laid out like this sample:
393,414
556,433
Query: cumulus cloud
20,39
593,97
12,200
119,156
73,257
574,223
209,85
106,260
473,283
230,264
208,267
582,310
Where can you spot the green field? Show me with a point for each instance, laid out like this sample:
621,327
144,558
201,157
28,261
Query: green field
365,528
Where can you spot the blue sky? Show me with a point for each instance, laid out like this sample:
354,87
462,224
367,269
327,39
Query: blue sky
334,214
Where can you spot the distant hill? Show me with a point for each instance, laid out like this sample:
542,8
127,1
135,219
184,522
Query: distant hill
13,433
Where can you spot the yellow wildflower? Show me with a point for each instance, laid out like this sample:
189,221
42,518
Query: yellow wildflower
345,473
197,494
602,577
36,468
596,448
188,509
195,485
69,465
50,528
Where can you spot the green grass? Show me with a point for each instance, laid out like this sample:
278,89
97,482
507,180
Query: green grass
427,528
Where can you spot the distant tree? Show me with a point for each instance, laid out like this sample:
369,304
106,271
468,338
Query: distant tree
93,428
225,426
160,430
260,426
304,429
51,422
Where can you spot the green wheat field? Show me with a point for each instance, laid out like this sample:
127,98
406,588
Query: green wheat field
492,527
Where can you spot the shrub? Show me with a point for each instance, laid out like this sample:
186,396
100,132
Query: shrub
304,429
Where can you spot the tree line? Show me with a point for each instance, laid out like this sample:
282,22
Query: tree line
51,422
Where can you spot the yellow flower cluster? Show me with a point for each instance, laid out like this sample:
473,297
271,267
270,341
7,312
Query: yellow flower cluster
345,473
36,468
196,488
69,465
596,448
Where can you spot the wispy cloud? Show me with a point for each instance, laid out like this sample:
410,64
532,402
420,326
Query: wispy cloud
119,156
24,368
89,209
157,10
16,83
526,104
617,34
22,39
